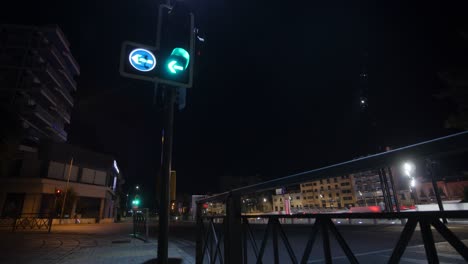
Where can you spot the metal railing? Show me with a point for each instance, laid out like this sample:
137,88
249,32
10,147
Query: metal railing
229,244
26,222
140,224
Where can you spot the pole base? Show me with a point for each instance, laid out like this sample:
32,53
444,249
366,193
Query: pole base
170,261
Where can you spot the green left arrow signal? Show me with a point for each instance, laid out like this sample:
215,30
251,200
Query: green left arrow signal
173,67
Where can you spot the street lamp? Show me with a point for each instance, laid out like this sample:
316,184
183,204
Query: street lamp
408,169
264,200
137,187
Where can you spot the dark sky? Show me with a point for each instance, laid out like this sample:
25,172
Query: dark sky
277,85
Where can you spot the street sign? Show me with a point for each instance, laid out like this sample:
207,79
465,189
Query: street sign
139,61
142,60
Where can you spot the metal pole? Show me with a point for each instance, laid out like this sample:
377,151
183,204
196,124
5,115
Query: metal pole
233,231
386,200
199,233
435,187
163,232
66,190
146,224
395,194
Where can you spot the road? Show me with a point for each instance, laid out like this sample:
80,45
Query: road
112,243
370,243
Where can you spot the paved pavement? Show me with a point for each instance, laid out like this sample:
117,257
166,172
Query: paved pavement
97,243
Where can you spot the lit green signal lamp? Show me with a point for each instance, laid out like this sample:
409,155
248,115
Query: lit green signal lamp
136,202
178,61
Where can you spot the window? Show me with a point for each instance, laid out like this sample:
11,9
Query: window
298,198
345,191
93,176
321,182
329,187
315,184
316,197
345,184
328,180
329,195
335,179
276,208
281,201
305,198
337,194
281,208
275,200
347,198
321,188
336,186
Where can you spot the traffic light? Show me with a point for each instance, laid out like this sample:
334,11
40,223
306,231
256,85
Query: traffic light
58,192
176,44
170,61
136,201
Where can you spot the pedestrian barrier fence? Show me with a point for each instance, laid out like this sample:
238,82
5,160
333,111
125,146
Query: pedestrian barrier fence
140,224
27,222
234,241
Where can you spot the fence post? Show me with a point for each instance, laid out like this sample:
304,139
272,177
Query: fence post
51,219
233,230
146,224
134,223
199,233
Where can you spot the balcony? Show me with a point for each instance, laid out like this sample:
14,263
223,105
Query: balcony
47,94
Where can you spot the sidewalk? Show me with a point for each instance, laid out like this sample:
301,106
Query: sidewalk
100,243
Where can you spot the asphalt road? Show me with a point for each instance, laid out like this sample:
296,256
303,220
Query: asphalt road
370,243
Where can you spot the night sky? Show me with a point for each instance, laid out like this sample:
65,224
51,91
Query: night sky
277,84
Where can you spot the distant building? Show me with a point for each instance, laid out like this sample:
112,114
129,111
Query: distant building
334,192
288,202
28,184
37,83
367,188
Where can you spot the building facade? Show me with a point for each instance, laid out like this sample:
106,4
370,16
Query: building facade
334,192
288,202
37,74
92,180
367,188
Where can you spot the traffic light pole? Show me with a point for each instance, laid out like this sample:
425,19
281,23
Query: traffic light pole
163,232
66,190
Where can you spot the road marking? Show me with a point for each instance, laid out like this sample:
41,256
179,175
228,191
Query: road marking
412,260
356,255
442,255
390,250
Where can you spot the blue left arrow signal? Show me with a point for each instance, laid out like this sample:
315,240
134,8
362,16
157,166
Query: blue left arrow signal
142,60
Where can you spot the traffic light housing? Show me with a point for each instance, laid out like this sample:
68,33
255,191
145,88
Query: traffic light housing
176,36
58,192
171,60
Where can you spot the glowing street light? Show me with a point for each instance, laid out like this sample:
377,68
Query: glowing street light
413,182
264,200
408,168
